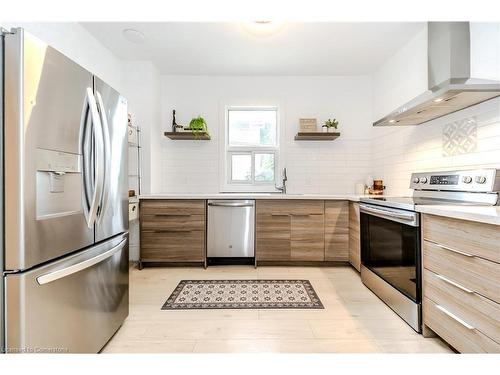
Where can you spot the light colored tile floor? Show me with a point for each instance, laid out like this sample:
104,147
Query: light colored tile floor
354,319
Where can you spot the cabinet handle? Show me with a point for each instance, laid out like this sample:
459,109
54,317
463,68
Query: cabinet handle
446,280
456,318
451,249
279,215
165,231
160,215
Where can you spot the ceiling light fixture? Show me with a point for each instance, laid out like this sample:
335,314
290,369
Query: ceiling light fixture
438,100
392,121
134,36
263,27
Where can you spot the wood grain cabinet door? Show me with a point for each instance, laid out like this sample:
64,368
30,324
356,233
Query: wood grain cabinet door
273,230
307,237
273,237
354,236
337,231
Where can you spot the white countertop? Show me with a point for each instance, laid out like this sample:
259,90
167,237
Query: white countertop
349,197
482,214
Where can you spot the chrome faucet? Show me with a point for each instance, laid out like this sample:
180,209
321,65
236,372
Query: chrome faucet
284,179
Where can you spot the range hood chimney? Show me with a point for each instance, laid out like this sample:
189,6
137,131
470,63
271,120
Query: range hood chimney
463,70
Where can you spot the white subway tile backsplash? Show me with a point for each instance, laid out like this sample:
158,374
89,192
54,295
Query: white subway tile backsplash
390,153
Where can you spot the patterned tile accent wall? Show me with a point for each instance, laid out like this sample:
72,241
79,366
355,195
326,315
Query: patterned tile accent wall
460,137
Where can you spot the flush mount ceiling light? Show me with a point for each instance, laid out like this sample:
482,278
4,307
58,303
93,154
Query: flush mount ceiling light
134,36
263,27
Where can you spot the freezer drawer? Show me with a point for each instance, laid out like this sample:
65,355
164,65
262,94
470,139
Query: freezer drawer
72,305
231,229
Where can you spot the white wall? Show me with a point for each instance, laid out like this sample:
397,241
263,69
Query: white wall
313,167
402,77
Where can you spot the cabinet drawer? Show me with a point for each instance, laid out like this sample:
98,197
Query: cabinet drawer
306,207
459,333
172,246
479,311
290,207
272,207
474,273
479,239
173,222
173,207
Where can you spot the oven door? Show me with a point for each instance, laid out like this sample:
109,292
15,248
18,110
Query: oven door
390,247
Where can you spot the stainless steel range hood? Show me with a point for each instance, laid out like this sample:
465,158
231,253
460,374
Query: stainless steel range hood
463,70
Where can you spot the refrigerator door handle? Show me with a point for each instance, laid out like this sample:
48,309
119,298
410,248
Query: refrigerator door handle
106,154
98,158
59,274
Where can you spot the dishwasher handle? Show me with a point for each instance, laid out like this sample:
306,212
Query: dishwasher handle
230,204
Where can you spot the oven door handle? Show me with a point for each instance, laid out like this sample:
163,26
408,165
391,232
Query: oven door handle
410,219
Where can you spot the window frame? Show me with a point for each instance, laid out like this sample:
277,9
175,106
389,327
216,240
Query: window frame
227,185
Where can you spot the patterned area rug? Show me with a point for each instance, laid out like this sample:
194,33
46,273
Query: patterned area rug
243,294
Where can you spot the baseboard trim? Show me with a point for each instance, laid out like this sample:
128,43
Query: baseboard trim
302,263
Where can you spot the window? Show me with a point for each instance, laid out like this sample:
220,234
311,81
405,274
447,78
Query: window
251,148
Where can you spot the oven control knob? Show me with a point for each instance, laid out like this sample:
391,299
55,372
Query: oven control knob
416,180
423,180
467,179
480,179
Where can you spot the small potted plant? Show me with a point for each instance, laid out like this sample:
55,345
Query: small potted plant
329,124
198,126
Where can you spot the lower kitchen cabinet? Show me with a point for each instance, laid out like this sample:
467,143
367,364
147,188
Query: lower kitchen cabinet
172,231
290,230
337,231
461,278
354,236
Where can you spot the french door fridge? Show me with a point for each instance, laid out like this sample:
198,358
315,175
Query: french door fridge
65,266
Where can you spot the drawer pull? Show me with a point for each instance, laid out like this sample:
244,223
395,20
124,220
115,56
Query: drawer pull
455,284
166,231
280,215
456,318
170,215
450,249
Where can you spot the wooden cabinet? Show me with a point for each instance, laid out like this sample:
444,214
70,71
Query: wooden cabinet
337,231
290,230
461,278
172,231
307,237
354,236
273,231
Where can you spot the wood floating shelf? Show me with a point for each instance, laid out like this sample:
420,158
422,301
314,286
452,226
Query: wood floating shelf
187,136
316,136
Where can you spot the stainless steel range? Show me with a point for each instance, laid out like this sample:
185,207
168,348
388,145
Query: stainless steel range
390,233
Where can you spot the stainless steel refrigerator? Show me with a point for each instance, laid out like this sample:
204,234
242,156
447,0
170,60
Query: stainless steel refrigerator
65,202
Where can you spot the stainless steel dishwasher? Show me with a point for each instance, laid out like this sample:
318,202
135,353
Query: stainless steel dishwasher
231,232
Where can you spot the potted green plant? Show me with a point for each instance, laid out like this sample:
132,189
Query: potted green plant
329,124
198,126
